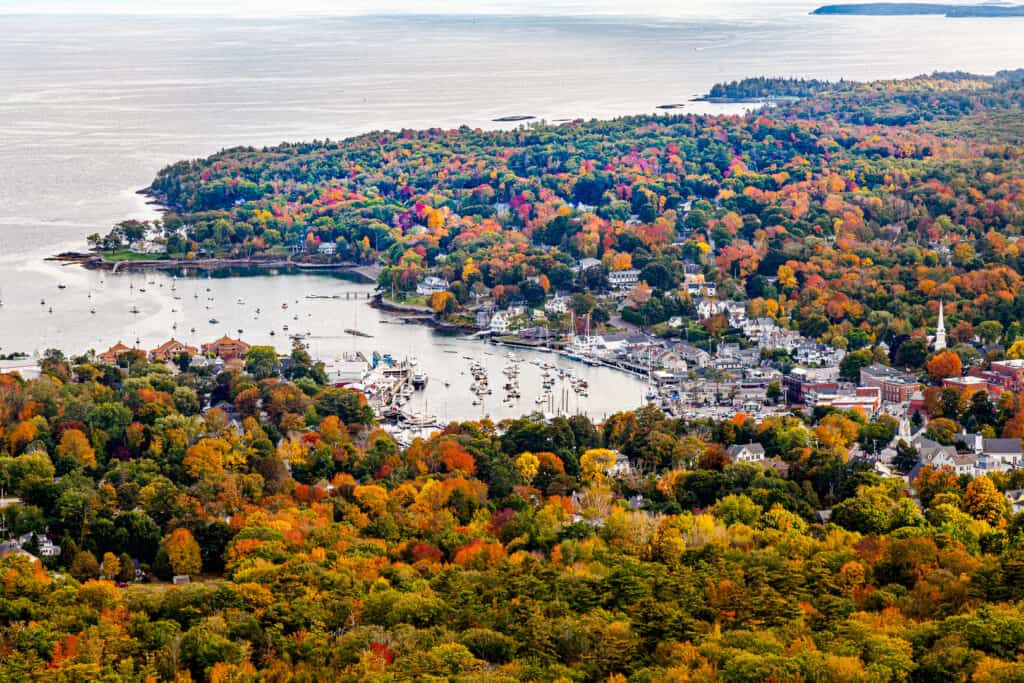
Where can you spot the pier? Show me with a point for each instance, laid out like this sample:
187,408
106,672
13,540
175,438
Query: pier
345,295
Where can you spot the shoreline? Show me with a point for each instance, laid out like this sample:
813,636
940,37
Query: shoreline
767,99
94,261
418,315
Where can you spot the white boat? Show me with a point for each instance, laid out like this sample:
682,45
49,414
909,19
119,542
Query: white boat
420,421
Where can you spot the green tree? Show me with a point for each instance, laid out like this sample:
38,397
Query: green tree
261,362
85,566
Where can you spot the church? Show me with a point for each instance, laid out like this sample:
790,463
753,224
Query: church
939,341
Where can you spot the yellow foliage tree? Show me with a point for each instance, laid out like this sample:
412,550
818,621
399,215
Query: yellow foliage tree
373,499
183,552
622,261
527,464
1016,349
111,566
787,278
207,457
442,302
982,500
75,445
596,463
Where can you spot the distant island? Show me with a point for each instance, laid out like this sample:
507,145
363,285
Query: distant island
890,9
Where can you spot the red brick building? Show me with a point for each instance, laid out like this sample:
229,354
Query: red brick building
226,348
896,386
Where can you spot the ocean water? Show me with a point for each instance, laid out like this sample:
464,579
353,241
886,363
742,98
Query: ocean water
91,106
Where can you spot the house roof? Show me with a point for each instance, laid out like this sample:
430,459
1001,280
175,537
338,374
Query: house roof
170,344
1002,446
118,348
751,447
226,340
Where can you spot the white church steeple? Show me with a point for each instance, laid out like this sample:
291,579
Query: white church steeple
940,331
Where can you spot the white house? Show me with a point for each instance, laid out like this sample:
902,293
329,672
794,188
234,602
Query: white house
1016,499
327,248
701,289
557,305
432,285
46,547
499,323
750,452
624,279
146,247
707,308
621,467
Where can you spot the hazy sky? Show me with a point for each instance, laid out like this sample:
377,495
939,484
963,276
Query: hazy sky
667,8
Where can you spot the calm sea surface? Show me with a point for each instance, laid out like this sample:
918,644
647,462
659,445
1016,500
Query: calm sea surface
91,107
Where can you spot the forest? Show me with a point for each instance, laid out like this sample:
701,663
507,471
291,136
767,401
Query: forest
532,549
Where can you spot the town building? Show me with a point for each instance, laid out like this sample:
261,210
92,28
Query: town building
867,399
969,384
696,286
896,386
800,382
621,467
147,247
694,356
170,350
113,354
500,323
432,285
47,548
557,305
226,348
586,264
750,452
1009,374
624,279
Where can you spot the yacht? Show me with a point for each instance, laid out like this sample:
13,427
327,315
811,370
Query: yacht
419,379
420,421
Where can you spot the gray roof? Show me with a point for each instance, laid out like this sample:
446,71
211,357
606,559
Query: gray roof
1002,446
752,447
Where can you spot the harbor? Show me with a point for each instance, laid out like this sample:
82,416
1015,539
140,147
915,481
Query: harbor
96,309
498,384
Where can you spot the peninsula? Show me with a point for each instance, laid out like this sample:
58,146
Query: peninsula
887,9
